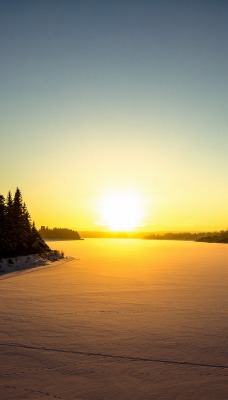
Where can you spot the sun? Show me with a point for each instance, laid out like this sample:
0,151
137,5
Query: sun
121,211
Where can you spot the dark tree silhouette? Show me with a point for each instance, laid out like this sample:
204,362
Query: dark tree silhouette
59,234
18,236
3,223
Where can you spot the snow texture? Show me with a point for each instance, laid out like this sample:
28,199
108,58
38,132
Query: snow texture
130,319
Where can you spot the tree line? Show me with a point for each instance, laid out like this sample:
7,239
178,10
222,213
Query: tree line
211,237
175,236
18,235
214,237
59,234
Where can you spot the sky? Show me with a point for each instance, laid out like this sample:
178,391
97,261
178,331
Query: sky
132,96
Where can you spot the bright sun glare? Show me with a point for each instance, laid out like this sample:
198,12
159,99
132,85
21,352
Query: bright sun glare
122,211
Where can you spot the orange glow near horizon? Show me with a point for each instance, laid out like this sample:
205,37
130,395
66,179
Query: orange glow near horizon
122,211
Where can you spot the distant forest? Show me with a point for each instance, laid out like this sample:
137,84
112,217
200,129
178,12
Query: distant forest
214,237
59,234
175,236
18,235
210,237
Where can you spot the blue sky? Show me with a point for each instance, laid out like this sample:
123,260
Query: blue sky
133,94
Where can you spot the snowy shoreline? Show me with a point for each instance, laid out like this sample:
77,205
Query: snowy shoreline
12,264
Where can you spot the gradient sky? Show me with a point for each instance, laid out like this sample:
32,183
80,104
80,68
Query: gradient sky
133,95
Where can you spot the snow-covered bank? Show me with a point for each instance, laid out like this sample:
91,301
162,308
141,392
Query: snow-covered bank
12,264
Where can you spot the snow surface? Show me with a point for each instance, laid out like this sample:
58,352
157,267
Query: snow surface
131,319
12,264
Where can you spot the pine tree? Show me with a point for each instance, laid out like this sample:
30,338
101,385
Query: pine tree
18,236
10,235
27,226
22,227
2,226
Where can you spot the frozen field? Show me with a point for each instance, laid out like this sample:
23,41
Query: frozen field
131,319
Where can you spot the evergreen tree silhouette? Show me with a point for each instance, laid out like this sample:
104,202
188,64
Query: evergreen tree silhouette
10,236
18,236
19,232
3,227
